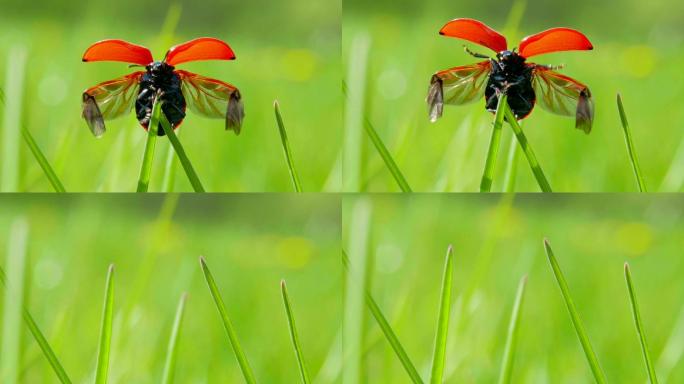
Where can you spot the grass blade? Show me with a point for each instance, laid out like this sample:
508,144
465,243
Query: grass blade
574,316
106,331
630,146
527,150
511,167
178,147
293,334
512,337
286,148
640,326
172,350
494,144
169,179
9,152
439,356
232,335
386,157
42,161
148,155
353,118
10,353
388,332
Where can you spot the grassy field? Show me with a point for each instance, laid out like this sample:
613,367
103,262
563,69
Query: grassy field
250,244
287,51
496,241
396,47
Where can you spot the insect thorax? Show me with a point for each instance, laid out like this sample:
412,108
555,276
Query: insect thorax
160,79
511,74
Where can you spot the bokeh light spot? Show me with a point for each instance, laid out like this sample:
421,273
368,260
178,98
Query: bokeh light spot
391,84
299,64
634,238
639,60
295,252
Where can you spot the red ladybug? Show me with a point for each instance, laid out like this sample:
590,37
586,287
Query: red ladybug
524,83
177,89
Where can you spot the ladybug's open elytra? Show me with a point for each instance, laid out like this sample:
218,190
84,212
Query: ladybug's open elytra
524,83
177,89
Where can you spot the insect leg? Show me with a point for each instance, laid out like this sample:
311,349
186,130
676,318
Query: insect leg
475,54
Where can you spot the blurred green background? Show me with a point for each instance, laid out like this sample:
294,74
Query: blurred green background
287,50
250,243
497,241
638,52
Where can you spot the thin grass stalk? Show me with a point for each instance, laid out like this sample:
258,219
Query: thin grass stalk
106,330
148,155
386,156
512,336
42,161
494,144
286,148
630,146
178,147
172,349
636,314
293,334
574,316
439,354
527,149
511,167
227,324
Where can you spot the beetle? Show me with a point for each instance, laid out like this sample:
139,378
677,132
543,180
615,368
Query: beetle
524,83
177,89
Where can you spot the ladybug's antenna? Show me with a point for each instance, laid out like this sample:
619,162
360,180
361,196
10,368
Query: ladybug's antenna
475,54
135,65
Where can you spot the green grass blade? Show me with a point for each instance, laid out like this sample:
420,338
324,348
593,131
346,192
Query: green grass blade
353,112
512,336
639,326
388,332
148,155
527,150
494,144
232,335
630,146
439,355
42,161
511,166
172,349
386,157
41,340
169,179
106,331
10,129
178,147
574,316
286,148
10,351
293,334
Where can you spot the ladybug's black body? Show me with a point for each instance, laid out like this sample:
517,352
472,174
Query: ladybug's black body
160,77
512,75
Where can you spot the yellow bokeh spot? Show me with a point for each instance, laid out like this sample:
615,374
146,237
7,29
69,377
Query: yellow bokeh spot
299,64
294,252
634,238
639,60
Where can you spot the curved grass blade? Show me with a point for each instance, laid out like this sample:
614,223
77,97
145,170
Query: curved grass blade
574,316
527,150
386,156
42,161
286,148
639,326
511,167
178,147
630,146
512,337
293,334
388,332
232,335
148,155
106,331
494,144
439,355
172,350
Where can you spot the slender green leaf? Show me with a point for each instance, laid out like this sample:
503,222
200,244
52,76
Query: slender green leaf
439,355
388,332
630,146
386,156
511,166
42,161
574,316
640,326
232,335
286,148
494,144
293,334
353,112
527,150
148,155
512,336
106,331
172,349
185,162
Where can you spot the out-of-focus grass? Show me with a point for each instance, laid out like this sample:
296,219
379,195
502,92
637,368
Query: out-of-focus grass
638,59
298,63
155,249
592,235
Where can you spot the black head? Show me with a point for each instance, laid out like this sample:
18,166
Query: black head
510,57
159,68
